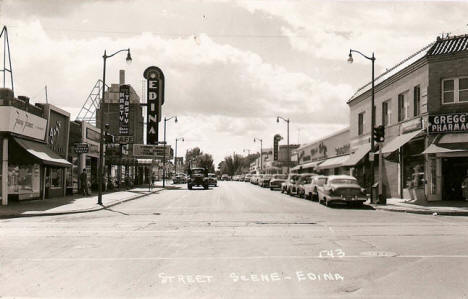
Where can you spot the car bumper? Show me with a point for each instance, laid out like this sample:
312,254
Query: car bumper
346,199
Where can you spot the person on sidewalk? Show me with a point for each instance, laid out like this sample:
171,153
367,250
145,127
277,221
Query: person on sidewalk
84,183
465,186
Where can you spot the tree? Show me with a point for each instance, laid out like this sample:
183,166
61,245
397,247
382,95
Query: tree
196,158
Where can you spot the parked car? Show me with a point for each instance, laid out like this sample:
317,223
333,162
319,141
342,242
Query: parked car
286,186
212,180
225,177
179,178
301,182
294,187
197,177
247,177
265,181
310,190
277,180
341,189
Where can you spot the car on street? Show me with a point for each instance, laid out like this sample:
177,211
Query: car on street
225,177
277,180
286,186
341,189
265,181
212,180
247,177
197,177
179,178
310,189
294,187
301,182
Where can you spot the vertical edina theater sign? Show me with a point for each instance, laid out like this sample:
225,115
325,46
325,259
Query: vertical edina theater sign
155,98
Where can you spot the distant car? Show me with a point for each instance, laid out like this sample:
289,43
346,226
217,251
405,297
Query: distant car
225,177
294,187
212,180
341,189
277,180
301,182
291,180
247,177
265,181
310,189
197,177
179,178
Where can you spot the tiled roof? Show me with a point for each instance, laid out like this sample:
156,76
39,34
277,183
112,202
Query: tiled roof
449,45
446,45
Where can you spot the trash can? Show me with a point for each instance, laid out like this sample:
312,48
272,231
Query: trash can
376,197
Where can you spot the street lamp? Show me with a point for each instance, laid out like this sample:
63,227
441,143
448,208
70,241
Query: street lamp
261,152
175,156
101,122
372,58
287,122
164,152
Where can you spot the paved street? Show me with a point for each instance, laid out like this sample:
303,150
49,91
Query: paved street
234,241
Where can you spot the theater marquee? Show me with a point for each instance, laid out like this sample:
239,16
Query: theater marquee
448,123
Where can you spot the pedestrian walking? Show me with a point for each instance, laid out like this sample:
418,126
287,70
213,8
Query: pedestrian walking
84,183
465,186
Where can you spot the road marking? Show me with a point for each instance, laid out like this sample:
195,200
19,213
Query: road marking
110,259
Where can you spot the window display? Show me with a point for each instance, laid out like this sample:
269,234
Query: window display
56,177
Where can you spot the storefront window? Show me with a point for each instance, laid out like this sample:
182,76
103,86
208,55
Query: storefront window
56,177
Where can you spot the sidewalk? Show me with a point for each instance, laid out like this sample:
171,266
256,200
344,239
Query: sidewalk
446,208
72,204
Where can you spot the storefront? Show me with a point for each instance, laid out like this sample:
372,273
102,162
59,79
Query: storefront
326,156
83,154
446,157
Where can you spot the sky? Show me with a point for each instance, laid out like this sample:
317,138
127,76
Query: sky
231,67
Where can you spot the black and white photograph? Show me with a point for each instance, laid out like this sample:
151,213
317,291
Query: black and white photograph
233,149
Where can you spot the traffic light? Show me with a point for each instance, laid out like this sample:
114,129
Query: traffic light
379,134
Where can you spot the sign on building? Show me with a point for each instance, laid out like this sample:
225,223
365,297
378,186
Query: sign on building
81,148
276,140
124,139
22,123
448,123
124,109
152,151
155,98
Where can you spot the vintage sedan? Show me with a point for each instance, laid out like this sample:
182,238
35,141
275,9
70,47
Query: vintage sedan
277,180
303,180
310,189
291,180
212,180
265,181
341,189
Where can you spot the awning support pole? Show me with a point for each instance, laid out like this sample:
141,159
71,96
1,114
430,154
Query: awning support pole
5,172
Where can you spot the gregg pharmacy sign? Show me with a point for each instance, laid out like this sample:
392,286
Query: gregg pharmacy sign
448,123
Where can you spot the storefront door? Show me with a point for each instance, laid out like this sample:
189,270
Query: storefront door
453,172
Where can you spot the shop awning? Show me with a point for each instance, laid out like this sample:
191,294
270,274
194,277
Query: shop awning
333,162
357,156
449,143
435,149
309,165
43,153
399,141
454,141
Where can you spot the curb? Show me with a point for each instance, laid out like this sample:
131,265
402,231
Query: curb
423,212
102,207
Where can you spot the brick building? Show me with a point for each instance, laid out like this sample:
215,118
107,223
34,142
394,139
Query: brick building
422,102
